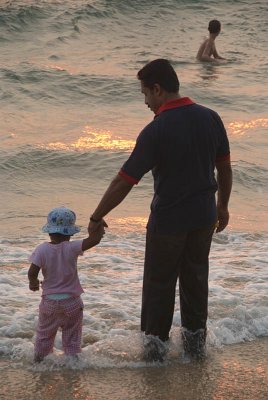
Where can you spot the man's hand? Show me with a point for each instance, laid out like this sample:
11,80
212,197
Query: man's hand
94,226
223,218
224,179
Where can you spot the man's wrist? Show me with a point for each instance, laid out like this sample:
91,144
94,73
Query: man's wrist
92,219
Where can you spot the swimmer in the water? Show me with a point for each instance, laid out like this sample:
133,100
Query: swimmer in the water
207,50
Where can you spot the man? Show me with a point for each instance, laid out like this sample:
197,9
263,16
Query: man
207,50
182,146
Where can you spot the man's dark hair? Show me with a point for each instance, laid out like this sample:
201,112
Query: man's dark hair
159,71
214,26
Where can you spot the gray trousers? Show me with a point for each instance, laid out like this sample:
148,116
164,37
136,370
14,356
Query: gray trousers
168,258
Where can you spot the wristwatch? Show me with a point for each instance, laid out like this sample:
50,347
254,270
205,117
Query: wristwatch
94,219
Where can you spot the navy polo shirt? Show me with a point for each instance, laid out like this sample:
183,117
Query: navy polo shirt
181,147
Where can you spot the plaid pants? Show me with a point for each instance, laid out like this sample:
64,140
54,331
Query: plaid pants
66,314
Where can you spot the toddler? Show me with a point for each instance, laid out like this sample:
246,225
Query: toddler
61,305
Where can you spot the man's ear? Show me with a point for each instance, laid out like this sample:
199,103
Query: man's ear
157,89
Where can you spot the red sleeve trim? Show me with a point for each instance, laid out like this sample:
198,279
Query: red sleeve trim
129,179
226,157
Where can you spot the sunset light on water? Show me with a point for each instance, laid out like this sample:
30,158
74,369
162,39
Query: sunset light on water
71,111
240,128
106,140
94,140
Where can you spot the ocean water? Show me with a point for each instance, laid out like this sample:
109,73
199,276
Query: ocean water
71,110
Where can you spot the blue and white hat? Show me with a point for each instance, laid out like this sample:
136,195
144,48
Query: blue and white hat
61,220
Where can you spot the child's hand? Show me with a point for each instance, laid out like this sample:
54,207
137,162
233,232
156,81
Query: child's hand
98,234
94,226
94,238
34,285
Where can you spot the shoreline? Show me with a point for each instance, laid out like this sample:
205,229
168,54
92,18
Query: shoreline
234,372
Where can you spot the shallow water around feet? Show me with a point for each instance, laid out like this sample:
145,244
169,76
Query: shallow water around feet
237,372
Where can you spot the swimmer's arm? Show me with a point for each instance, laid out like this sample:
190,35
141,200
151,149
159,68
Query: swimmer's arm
32,276
216,55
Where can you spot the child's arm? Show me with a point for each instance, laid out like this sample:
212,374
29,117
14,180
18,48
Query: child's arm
32,276
94,238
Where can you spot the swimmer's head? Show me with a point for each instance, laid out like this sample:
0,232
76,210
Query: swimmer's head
214,26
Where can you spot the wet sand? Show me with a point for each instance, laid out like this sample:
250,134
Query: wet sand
235,372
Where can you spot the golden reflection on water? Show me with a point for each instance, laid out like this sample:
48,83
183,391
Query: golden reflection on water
95,140
137,221
92,139
239,128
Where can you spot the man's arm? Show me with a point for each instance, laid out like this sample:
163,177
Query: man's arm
114,195
32,276
224,179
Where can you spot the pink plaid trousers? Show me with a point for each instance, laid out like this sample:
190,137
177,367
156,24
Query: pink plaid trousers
66,314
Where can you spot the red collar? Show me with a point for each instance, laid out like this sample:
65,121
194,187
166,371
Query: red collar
182,101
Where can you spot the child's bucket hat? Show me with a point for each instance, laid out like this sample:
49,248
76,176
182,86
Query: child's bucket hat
61,220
